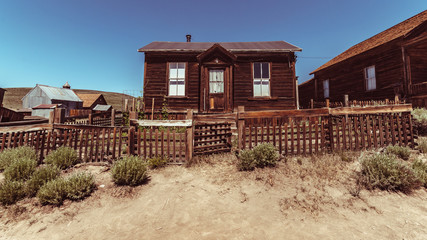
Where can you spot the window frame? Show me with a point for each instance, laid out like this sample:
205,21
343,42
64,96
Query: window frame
365,71
329,88
168,79
261,79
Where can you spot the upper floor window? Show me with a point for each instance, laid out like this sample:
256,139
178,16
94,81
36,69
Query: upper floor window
371,82
326,88
261,79
176,79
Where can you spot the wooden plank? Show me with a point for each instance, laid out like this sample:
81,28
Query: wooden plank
298,138
53,139
268,133
102,152
411,130
280,139
262,134
399,130
181,147
9,142
92,144
304,139
86,144
285,113
168,143
138,142
114,143
174,144
156,136
97,142
120,142
356,128
150,143
65,138
323,136
145,143
15,139
256,135
405,129
108,131
374,131
316,136
162,145
292,137
49,135
372,109
337,132
71,139
344,138
286,138
27,138
164,123
393,131
43,138
250,136
274,135
381,130
3,142
362,131
386,129
37,141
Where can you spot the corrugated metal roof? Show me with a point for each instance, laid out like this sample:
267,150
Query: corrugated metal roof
272,46
47,106
63,94
100,107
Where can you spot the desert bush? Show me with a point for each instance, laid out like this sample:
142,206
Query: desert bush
420,171
157,162
265,155
130,170
422,144
345,157
246,160
11,192
80,186
386,172
9,155
420,120
20,169
401,152
40,177
63,157
53,192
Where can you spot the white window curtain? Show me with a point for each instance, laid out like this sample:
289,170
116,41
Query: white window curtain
326,88
216,81
371,82
176,79
261,79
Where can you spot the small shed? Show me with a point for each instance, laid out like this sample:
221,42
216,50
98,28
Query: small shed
102,108
90,100
42,94
43,110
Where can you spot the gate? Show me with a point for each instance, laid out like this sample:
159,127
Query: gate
212,137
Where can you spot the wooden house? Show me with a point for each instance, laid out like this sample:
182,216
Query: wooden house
42,94
393,62
91,100
218,77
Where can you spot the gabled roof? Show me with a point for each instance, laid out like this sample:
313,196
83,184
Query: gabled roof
55,93
400,30
89,98
272,46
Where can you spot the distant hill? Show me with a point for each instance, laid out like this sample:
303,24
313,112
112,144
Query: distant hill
13,96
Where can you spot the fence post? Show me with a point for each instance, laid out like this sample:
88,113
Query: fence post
126,105
189,132
327,102
131,141
52,117
396,99
90,119
240,125
311,103
345,100
113,117
331,132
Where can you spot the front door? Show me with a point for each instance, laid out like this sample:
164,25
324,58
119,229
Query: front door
216,90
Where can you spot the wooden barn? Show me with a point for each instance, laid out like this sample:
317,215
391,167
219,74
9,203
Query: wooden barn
393,62
218,77
90,100
42,94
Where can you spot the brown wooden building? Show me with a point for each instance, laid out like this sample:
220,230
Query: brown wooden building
393,62
219,77
90,100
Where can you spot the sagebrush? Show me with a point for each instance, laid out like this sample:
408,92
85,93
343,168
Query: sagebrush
157,162
80,186
131,170
422,144
41,176
63,157
420,171
53,192
11,192
399,151
9,155
246,160
20,169
385,171
262,155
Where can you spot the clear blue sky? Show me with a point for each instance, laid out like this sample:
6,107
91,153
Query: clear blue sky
93,44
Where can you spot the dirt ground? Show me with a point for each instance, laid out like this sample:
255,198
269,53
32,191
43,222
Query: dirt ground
302,198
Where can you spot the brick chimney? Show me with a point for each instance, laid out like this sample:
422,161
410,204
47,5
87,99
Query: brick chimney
188,37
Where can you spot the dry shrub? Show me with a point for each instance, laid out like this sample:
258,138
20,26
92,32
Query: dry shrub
11,192
420,171
157,161
41,176
422,144
401,152
53,192
12,154
131,170
262,155
63,157
20,169
420,120
246,160
385,171
80,186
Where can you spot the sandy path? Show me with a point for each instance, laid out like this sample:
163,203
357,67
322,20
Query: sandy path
217,202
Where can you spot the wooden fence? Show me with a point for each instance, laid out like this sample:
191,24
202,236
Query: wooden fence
326,130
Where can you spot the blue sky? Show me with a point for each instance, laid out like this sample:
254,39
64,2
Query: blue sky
93,44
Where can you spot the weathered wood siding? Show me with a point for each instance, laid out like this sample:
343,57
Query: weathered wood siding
306,93
282,82
348,77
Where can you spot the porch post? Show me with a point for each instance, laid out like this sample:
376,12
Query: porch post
189,147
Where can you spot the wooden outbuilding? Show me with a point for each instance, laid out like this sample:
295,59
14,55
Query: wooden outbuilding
90,100
393,62
218,77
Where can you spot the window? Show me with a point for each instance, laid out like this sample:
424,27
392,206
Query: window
371,82
176,79
261,79
326,88
216,81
